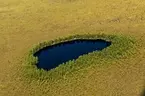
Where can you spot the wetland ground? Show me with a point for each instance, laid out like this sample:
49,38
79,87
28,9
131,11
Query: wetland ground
27,22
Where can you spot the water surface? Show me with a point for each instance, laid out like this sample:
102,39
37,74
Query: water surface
52,56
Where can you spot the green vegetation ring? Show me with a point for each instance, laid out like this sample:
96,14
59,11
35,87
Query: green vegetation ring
121,47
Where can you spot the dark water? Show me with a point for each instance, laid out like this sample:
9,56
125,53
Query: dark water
52,56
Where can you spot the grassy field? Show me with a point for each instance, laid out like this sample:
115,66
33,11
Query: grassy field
24,23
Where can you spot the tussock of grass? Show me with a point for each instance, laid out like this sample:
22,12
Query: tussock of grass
121,47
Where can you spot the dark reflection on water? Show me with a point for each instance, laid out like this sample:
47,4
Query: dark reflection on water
52,56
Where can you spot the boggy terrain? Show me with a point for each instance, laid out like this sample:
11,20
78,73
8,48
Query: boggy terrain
24,23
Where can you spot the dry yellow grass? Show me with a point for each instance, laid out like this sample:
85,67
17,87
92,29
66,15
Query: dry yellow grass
26,22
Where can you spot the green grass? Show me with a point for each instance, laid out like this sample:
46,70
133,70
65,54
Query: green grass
121,47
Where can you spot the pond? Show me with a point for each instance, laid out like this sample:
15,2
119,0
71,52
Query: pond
52,56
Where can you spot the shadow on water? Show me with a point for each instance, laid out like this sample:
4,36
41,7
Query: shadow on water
52,56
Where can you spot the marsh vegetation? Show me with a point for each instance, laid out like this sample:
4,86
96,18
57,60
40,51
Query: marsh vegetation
115,71
121,47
